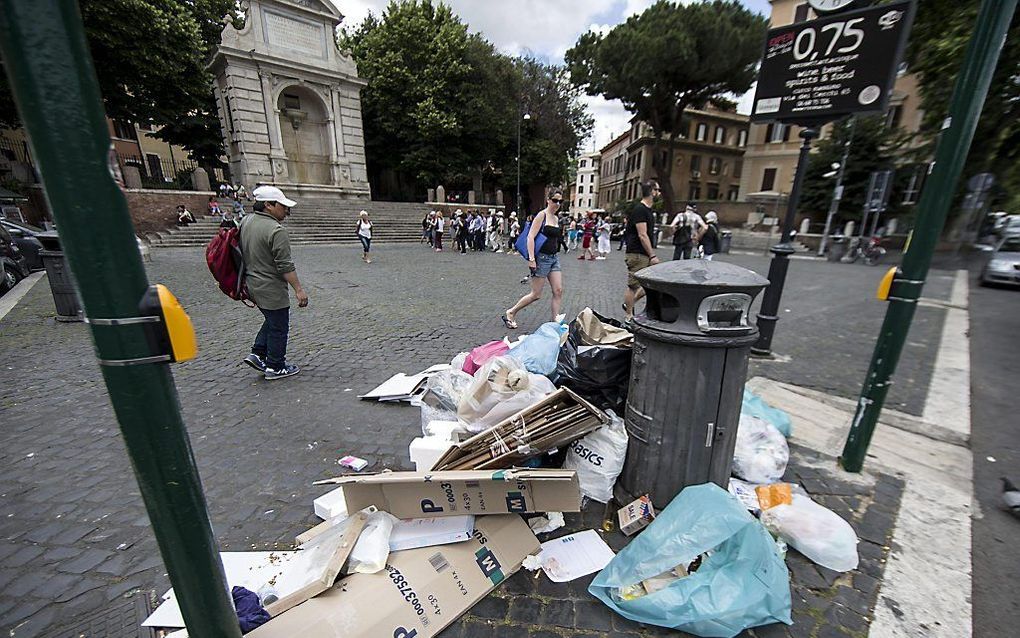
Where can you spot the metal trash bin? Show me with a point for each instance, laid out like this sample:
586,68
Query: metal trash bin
725,239
687,378
65,293
836,248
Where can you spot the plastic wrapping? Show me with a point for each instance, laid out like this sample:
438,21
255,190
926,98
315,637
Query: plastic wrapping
742,581
373,547
815,531
761,452
477,357
598,459
539,350
754,405
599,373
445,389
499,389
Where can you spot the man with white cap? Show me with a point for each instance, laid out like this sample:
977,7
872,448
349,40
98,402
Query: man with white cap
265,245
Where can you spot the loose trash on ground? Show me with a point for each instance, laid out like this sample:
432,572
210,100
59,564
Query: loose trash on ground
815,531
552,521
352,462
574,555
373,547
742,582
418,494
636,515
595,360
761,451
403,387
553,422
501,388
754,405
598,459
539,350
428,532
771,495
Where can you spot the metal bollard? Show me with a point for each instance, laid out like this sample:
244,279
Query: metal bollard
687,377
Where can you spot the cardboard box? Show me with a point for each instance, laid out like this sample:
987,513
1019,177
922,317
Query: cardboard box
636,515
429,494
418,594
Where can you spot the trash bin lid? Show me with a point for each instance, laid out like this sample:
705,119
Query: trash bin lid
700,273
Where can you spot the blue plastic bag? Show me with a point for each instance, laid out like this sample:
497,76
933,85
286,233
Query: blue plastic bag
743,583
754,405
538,351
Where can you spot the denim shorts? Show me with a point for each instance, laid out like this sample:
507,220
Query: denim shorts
546,264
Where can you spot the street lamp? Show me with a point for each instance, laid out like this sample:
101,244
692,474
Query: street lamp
520,118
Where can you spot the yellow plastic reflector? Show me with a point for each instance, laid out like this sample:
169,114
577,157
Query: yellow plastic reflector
886,284
183,344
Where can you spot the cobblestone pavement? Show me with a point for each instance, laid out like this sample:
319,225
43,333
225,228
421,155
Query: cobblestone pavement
75,537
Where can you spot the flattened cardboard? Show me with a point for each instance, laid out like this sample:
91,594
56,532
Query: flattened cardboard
418,594
456,493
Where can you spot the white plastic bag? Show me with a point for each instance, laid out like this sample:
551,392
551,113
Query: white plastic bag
373,547
538,388
815,531
598,459
500,388
761,452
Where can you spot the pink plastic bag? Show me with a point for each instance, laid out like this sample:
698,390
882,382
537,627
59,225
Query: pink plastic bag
477,357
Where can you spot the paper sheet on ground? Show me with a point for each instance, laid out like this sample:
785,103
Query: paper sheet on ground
411,533
573,556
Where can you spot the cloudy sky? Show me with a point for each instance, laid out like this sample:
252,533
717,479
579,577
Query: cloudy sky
545,29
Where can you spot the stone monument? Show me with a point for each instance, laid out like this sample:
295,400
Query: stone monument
290,102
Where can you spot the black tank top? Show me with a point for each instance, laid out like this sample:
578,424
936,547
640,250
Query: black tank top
552,239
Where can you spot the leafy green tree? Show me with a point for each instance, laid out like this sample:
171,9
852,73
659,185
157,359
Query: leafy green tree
874,147
669,58
149,57
938,42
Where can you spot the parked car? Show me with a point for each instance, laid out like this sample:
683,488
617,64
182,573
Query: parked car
1010,226
25,237
1004,265
14,266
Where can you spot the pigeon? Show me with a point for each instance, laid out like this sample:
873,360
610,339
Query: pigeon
1010,496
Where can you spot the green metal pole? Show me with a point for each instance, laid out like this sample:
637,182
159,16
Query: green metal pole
54,85
950,155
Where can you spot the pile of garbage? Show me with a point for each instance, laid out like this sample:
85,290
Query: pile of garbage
514,434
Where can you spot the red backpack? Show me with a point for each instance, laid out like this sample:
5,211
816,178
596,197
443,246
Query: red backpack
227,264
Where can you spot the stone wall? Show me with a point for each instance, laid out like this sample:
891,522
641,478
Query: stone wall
152,210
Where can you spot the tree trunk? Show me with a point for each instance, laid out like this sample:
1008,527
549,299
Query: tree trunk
664,172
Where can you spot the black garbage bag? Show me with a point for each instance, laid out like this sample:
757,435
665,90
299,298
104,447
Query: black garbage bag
600,374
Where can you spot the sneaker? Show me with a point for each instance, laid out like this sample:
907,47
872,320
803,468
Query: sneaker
255,361
287,370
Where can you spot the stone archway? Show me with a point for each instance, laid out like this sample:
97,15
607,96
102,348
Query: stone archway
304,132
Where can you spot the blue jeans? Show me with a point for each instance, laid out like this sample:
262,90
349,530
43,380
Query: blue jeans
366,243
271,341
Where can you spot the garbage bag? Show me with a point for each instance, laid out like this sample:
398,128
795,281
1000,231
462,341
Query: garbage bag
373,547
444,389
754,405
598,459
815,531
598,330
742,581
538,351
501,387
599,373
477,357
761,453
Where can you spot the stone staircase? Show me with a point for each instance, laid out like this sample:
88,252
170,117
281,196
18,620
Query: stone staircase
759,242
314,221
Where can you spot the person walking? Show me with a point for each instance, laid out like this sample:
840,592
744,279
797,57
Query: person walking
459,232
710,239
605,227
476,226
426,235
269,266
589,235
638,239
687,229
623,233
572,233
364,232
515,232
493,231
545,264
564,221
440,226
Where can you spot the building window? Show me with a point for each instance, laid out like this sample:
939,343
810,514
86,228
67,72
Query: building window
738,168
720,135
637,163
694,193
893,116
702,133
584,163
801,13
914,185
714,166
734,193
291,101
776,133
124,130
713,191
155,167
742,137
695,164
768,179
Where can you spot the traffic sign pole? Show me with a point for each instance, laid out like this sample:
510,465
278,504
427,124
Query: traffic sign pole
972,84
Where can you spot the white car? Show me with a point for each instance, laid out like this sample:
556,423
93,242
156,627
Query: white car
1004,265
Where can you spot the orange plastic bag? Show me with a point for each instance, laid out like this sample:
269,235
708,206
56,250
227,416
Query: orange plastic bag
772,495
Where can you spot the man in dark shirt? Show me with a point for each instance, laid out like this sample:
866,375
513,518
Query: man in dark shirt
638,238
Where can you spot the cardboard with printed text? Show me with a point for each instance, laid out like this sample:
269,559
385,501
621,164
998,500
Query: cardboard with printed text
420,591
456,493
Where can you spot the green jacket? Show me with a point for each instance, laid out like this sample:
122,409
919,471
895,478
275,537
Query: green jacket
266,248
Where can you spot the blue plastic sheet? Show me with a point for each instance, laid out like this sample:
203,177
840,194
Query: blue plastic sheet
743,583
539,350
754,405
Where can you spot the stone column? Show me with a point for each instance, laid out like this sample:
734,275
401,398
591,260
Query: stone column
432,195
132,178
805,226
471,196
440,194
848,230
200,179
272,115
499,197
